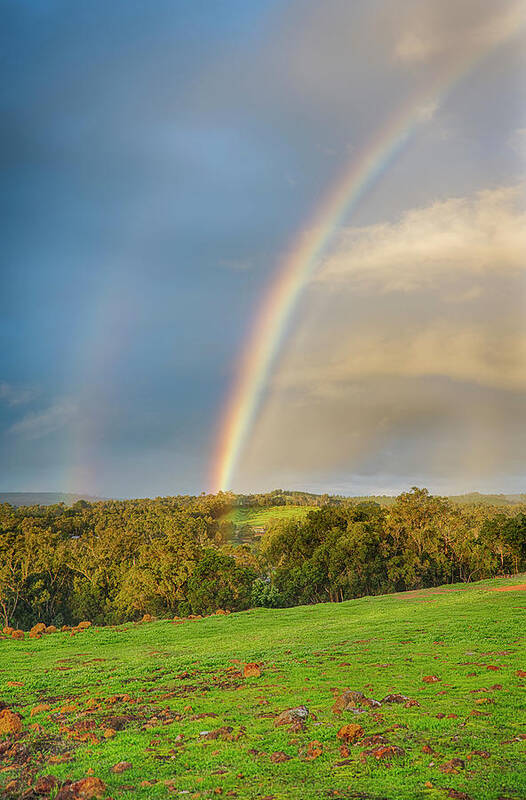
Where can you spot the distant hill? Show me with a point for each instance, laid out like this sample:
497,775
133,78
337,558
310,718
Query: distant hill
45,498
470,498
489,499
248,511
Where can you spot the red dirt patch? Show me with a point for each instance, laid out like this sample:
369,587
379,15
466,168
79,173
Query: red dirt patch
519,587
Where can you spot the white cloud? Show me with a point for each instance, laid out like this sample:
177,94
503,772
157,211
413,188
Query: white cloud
42,423
15,395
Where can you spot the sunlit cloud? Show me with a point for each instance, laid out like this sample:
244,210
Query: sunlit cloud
410,357
452,239
434,29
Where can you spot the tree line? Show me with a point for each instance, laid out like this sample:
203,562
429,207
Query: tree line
113,561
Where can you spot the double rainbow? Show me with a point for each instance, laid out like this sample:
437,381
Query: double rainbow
301,260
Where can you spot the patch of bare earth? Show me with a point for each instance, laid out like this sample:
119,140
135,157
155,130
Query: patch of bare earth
519,587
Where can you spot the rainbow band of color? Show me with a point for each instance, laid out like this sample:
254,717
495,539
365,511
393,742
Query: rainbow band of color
302,259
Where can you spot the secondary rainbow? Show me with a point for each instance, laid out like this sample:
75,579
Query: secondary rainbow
303,257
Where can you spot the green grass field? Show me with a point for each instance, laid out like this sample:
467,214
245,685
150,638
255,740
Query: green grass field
255,517
160,686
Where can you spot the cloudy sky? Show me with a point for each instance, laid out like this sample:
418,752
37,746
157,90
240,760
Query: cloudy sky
160,157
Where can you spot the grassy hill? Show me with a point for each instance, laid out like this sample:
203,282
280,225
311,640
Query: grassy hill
171,700
263,517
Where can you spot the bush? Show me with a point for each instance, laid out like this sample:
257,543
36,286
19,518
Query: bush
264,595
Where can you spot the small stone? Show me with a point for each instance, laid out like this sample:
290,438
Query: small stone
292,716
279,756
452,767
251,670
314,750
347,701
395,698
388,752
121,766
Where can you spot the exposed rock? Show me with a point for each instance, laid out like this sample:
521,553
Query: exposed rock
351,699
85,789
18,635
51,629
383,753
251,670
293,716
481,753
314,750
218,733
350,733
116,723
38,628
373,741
395,698
82,626
279,756
45,785
430,679
9,722
121,766
452,767
388,752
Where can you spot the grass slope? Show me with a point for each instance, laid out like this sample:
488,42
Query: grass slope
470,637
255,517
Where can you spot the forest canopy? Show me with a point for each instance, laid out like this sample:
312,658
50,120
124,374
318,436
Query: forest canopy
113,561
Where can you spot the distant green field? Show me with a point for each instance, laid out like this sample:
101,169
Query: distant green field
157,688
255,517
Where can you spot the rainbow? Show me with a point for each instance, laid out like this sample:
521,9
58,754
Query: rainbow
302,258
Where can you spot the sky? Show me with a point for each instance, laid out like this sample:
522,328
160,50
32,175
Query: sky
159,160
